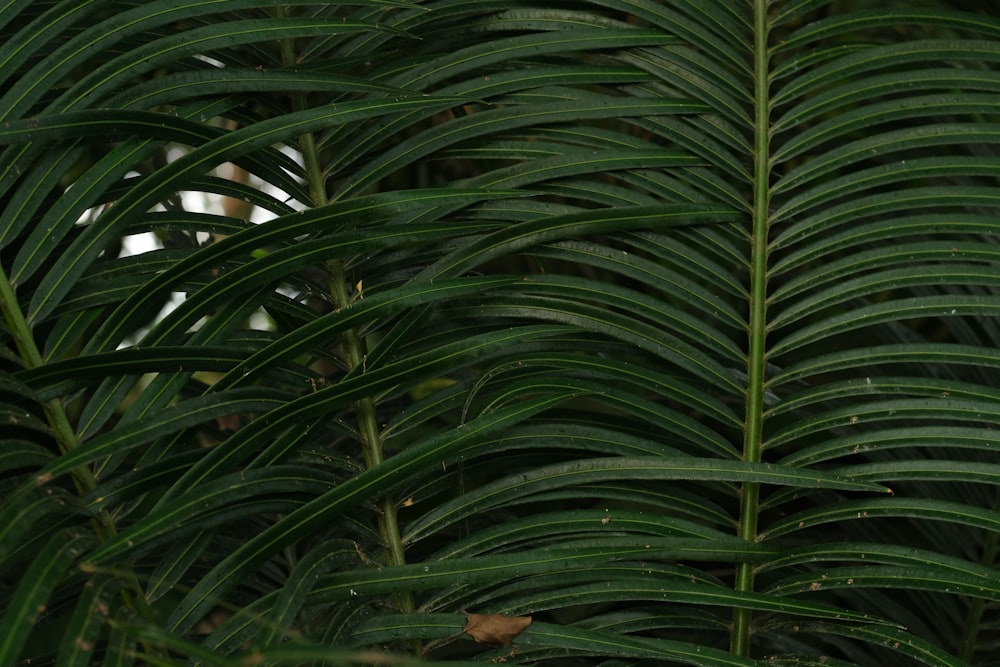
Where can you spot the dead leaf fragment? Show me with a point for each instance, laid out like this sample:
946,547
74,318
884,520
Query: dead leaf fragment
495,629
229,423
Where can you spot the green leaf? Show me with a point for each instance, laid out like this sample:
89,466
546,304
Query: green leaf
92,612
623,314
41,578
580,473
226,147
460,571
918,508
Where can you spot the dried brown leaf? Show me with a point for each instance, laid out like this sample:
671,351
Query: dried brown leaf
495,629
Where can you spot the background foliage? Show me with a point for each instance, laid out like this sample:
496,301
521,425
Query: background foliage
672,324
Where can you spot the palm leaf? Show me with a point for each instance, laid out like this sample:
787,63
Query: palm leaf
671,324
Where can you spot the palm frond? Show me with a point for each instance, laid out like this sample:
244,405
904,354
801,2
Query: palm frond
670,324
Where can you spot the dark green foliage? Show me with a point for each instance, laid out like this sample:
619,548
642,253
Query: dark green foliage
671,324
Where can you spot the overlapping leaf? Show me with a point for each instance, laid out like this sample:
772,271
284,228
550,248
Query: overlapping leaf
625,314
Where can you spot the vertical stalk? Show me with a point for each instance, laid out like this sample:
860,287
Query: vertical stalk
753,429
977,606
32,358
66,439
351,342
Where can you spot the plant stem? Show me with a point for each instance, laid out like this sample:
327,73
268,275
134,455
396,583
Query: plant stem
352,343
974,619
753,425
66,439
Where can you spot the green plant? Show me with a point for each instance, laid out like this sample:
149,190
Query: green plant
669,323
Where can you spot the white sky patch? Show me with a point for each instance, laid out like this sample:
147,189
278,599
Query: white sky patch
280,195
211,61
